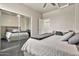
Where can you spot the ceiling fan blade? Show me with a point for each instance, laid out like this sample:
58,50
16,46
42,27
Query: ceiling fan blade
53,4
44,5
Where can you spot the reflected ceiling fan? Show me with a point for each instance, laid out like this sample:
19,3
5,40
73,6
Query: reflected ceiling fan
45,4
57,4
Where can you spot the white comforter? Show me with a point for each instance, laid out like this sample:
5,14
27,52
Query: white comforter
16,36
49,46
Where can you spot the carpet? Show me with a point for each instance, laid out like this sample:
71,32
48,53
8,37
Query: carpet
15,51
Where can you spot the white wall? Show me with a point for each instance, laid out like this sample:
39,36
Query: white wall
24,21
62,19
21,9
8,20
77,17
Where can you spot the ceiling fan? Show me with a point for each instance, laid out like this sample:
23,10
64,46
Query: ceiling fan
53,4
57,4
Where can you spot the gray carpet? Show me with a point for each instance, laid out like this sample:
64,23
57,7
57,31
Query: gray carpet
16,51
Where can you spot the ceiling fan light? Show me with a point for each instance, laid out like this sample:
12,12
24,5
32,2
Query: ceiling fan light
53,4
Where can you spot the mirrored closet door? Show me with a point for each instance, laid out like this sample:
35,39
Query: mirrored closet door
0,30
14,32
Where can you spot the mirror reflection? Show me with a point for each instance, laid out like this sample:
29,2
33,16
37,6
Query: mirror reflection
14,29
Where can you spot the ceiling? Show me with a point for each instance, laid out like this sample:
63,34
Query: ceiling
49,7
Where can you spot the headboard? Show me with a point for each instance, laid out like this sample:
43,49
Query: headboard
4,29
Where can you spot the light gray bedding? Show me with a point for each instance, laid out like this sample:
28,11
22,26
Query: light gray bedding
51,46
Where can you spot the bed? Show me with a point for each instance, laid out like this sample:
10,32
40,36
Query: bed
50,46
11,33
12,36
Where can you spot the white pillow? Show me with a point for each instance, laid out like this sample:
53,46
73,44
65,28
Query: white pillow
74,39
53,32
67,36
15,30
8,34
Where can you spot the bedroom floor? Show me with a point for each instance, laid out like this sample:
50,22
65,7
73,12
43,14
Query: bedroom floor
12,48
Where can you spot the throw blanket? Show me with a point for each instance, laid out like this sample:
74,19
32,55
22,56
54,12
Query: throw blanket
42,36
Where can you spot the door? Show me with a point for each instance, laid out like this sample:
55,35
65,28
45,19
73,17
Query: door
44,26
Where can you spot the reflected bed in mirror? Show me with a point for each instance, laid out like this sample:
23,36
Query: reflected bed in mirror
14,30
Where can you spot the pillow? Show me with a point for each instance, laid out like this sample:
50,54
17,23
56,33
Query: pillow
67,36
59,33
74,39
15,30
65,33
8,34
53,32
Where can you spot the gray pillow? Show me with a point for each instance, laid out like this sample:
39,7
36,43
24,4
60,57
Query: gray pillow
59,33
74,39
67,36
